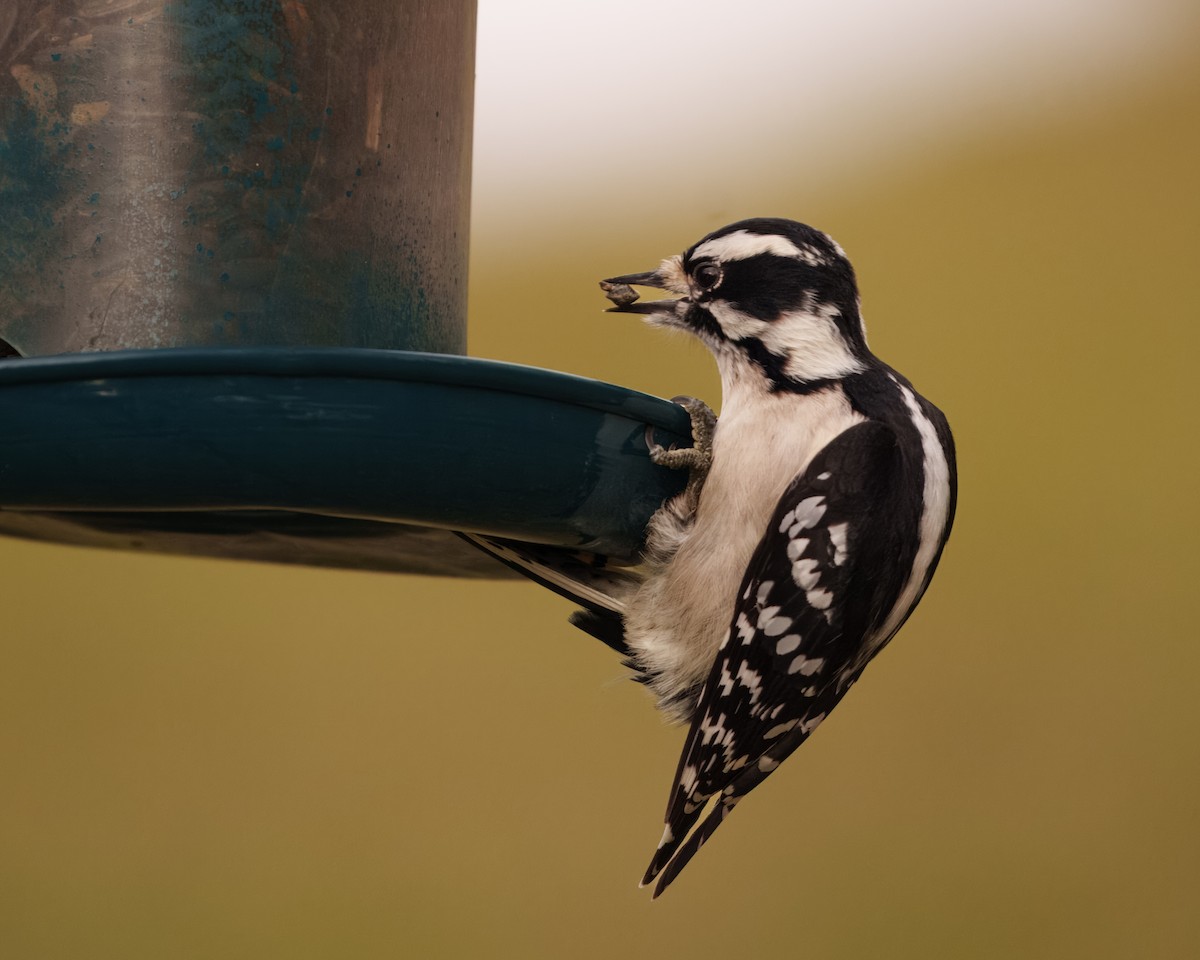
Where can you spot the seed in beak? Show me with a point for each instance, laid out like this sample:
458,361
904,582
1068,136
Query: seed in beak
620,294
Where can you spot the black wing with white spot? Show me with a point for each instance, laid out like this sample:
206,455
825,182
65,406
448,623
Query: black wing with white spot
825,574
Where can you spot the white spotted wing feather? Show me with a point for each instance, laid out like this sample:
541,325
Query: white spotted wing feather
793,644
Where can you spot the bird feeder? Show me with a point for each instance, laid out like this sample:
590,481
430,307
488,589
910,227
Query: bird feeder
233,277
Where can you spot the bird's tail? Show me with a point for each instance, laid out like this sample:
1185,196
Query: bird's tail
673,855
592,580
598,584
678,845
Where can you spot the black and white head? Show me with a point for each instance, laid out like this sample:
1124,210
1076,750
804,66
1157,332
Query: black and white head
772,293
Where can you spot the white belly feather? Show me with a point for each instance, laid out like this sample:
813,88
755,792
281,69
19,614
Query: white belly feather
680,615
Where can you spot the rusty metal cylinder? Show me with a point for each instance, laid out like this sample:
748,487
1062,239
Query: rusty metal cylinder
234,173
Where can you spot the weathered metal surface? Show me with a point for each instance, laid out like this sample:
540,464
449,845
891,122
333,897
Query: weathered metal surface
234,173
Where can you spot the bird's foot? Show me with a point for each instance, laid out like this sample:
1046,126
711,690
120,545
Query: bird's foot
696,459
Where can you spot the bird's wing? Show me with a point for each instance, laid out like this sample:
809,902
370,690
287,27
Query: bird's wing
807,603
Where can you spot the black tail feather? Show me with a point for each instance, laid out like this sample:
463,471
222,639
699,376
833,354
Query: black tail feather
605,627
692,845
673,836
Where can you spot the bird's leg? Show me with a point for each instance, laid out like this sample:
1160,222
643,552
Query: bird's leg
695,459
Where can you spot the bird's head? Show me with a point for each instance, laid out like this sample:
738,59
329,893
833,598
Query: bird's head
770,296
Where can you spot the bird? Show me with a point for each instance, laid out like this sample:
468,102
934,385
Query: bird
816,510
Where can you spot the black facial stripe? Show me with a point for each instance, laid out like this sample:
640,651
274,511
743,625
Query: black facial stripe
773,371
767,285
704,323
770,364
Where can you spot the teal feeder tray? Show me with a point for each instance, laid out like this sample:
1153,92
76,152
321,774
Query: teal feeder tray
365,459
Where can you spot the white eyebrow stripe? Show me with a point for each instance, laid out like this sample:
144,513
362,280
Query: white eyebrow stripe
741,245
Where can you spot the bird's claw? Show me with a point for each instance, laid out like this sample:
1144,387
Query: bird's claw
696,459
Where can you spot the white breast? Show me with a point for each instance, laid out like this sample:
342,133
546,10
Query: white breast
679,617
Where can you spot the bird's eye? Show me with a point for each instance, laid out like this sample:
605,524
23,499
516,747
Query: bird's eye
707,276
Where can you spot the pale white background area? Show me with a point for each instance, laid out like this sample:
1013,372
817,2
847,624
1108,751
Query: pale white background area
656,106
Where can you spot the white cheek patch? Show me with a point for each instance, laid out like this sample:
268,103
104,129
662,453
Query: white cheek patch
736,325
814,347
741,245
808,341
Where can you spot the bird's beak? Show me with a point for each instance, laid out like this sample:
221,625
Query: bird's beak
624,299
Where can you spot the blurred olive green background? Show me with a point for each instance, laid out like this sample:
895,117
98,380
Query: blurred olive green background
212,759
